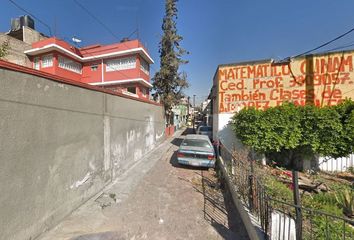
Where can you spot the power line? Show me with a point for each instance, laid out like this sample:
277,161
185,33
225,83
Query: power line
102,23
97,19
24,10
342,47
348,91
135,31
105,27
325,44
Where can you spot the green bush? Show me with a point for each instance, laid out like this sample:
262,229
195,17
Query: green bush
278,190
329,228
297,132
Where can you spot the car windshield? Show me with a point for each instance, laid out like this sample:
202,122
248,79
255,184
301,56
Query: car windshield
196,143
205,129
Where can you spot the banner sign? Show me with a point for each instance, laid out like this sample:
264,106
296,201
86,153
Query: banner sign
318,79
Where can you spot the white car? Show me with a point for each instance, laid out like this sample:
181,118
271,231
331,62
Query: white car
205,130
196,150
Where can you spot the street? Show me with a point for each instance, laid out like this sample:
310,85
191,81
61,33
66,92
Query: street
156,199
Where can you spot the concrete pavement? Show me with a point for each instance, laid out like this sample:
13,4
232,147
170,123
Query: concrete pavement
156,199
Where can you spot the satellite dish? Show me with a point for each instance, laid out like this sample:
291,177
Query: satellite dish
76,40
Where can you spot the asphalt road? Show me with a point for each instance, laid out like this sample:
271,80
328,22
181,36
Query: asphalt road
156,199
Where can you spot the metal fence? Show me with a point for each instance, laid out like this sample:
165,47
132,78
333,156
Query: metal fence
278,218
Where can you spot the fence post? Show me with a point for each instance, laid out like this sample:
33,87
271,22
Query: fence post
251,188
298,220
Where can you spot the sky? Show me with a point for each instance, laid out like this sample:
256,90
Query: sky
214,31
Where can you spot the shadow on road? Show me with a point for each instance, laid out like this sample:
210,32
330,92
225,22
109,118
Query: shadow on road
177,141
188,131
99,236
219,210
174,163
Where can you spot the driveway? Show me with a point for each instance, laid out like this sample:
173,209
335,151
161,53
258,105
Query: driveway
156,199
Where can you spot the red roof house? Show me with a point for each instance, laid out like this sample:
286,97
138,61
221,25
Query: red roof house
122,67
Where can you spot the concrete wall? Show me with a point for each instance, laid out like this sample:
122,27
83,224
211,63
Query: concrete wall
16,50
60,144
30,35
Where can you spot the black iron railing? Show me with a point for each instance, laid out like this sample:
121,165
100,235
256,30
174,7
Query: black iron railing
276,217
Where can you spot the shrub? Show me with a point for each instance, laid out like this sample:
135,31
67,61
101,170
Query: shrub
345,200
294,133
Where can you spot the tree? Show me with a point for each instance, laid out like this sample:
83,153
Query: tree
168,82
4,47
290,133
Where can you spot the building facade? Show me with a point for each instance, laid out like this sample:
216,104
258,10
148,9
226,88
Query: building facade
321,79
19,38
122,67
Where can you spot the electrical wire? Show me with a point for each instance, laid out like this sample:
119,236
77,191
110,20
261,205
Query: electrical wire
24,10
102,23
105,27
325,44
97,19
341,47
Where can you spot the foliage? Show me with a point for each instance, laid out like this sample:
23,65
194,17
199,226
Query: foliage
297,132
346,113
315,226
4,47
327,228
168,82
345,200
325,202
277,190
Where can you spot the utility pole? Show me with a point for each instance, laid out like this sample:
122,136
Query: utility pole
188,107
298,212
194,113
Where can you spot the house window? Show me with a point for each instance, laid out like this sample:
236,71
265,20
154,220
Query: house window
94,68
36,63
120,64
143,92
47,61
69,64
144,66
131,90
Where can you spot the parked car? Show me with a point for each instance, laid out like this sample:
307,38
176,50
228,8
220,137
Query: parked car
205,130
197,123
196,150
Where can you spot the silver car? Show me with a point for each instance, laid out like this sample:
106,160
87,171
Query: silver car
205,130
196,150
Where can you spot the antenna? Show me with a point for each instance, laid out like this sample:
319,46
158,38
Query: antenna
76,40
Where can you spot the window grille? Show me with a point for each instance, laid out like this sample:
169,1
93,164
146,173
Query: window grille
120,64
131,89
36,64
69,64
47,61
144,66
94,68
143,92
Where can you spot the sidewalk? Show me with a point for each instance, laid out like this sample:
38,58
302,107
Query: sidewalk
90,217
156,199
